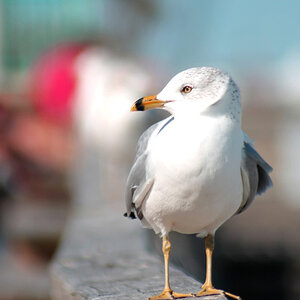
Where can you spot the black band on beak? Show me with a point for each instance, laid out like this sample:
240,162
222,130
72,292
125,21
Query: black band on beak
138,105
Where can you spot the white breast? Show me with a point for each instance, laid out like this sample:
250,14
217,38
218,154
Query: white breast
196,169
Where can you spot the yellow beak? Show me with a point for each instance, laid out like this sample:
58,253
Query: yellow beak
146,103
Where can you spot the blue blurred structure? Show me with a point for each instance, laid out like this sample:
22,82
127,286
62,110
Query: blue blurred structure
29,27
234,33
181,34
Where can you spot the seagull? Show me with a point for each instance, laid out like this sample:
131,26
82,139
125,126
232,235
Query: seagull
195,169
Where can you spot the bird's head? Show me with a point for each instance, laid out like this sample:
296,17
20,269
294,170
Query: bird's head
199,90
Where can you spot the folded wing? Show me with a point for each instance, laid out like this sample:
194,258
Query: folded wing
138,185
255,174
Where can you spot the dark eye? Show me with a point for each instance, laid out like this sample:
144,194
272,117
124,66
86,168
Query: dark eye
186,89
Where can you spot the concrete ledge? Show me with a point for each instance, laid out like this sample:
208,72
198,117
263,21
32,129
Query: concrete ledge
102,256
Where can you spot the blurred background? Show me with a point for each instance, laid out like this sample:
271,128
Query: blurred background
69,71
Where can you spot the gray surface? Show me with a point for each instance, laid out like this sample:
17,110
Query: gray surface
102,257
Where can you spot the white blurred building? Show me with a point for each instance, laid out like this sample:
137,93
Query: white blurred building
107,86
288,136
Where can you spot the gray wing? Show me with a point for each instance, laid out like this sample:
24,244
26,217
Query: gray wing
255,175
138,185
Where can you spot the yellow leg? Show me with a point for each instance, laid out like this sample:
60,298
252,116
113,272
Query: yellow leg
207,288
167,293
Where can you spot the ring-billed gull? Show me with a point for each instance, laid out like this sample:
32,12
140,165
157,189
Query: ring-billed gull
197,168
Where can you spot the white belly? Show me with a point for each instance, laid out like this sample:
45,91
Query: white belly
197,181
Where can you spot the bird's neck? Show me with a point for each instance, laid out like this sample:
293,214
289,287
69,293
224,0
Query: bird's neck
209,117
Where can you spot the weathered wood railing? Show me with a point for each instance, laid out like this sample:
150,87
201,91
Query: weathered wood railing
102,256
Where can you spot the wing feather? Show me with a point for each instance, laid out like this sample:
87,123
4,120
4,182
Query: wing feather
255,175
138,184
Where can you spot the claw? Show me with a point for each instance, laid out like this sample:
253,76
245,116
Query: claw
206,291
169,294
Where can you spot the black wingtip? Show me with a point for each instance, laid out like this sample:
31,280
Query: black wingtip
131,216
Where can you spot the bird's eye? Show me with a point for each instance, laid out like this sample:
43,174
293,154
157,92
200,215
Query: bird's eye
186,89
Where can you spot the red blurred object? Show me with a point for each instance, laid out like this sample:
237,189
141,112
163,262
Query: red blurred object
53,82
45,143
